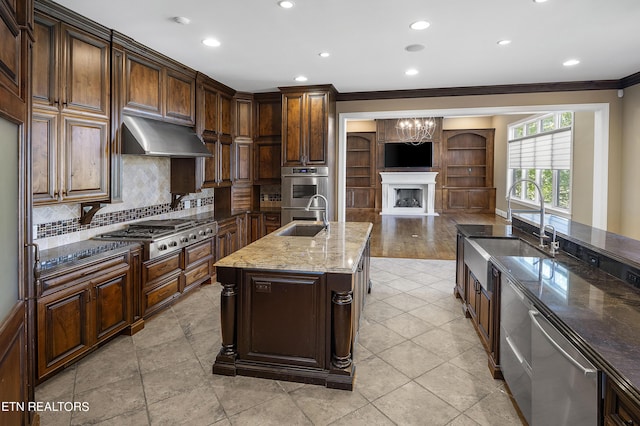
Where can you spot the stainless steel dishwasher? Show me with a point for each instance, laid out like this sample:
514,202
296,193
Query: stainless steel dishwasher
515,345
565,383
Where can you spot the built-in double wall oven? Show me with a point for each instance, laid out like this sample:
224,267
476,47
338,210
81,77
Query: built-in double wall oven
299,184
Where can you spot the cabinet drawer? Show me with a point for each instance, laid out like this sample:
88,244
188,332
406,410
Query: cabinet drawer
156,269
196,252
199,273
72,276
156,297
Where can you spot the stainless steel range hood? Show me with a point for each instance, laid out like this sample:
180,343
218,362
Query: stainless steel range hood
143,136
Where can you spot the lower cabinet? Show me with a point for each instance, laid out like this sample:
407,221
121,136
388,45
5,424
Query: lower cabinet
79,308
161,282
460,290
227,239
360,198
619,410
261,224
481,308
198,264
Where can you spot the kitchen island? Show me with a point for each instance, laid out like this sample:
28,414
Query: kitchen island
291,303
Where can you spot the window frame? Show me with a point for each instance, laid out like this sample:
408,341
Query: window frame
524,172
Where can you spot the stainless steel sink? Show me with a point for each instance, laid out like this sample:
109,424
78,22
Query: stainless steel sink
301,230
478,251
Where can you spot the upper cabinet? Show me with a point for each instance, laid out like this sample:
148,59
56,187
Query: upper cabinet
307,125
243,116
156,86
267,138
215,125
71,112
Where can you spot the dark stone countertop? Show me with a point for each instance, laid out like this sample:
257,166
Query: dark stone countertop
598,312
68,255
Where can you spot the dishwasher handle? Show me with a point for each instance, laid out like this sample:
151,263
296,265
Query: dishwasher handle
586,371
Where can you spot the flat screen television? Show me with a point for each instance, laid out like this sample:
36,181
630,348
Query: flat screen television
403,155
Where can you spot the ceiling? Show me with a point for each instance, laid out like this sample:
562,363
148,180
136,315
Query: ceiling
264,47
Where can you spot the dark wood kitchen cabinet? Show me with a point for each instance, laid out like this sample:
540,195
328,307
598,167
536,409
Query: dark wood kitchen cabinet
71,112
619,408
156,86
198,264
460,289
79,307
227,238
271,222
308,129
162,282
214,123
267,147
261,224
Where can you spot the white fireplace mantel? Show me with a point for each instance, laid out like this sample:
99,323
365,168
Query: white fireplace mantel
426,181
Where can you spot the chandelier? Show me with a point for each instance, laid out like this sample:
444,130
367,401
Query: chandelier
416,131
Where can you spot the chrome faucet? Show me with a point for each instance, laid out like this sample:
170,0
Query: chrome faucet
510,211
325,222
554,245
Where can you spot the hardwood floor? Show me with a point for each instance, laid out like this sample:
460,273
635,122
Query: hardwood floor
417,237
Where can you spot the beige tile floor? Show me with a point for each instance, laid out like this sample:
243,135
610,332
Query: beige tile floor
419,362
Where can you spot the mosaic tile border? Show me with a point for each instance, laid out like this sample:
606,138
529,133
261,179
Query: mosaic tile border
62,227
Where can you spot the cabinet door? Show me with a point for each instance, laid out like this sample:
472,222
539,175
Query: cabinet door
244,117
225,108
317,131
472,293
45,74
271,222
65,328
85,69
267,162
268,117
180,92
113,305
44,140
243,161
256,227
292,129
85,159
485,317
225,169
143,90
360,198
460,270
209,115
283,319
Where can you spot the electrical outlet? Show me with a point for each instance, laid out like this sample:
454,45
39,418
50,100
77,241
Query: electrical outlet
187,204
198,202
35,232
633,279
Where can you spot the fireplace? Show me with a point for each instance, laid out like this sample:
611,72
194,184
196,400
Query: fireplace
408,193
408,197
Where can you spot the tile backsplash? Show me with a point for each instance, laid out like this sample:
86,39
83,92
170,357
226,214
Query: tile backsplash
145,193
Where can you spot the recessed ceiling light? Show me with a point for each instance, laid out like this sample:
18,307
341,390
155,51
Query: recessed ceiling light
411,71
504,42
570,62
414,47
539,1
182,20
285,4
324,54
419,25
301,78
211,42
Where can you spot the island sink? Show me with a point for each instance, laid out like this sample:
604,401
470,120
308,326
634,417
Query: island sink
300,230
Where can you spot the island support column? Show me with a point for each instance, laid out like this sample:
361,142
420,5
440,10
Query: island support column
225,361
341,368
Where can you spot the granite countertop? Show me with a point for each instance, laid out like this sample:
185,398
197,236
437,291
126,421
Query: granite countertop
337,251
621,248
600,309
51,260
597,311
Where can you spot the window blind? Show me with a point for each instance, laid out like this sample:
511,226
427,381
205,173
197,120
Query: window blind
547,151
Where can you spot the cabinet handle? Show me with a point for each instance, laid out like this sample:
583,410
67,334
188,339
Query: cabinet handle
37,267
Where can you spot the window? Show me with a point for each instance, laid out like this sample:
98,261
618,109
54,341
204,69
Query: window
540,150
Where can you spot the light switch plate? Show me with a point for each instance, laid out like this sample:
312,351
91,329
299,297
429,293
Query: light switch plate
187,204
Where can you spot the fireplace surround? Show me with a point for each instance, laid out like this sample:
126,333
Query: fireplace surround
408,193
